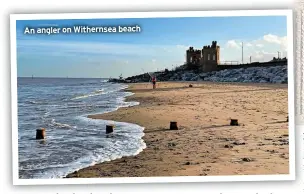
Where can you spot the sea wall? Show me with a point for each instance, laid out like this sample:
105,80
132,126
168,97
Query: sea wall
273,74
270,72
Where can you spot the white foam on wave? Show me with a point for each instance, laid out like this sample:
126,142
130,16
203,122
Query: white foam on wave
121,104
121,87
99,92
35,102
95,93
62,125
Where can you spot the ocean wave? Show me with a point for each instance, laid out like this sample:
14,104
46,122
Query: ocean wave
35,102
40,167
123,87
95,93
61,125
32,102
101,91
46,114
116,89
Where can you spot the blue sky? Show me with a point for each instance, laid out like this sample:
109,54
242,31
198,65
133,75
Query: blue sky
161,44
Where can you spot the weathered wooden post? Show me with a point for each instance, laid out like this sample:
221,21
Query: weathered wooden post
234,122
40,133
109,129
173,125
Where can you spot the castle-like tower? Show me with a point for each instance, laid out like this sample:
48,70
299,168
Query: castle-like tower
193,56
210,57
206,59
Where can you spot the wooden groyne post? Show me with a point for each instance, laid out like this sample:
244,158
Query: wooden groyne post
109,129
234,122
40,133
173,125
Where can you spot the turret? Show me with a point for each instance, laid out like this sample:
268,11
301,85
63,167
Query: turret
214,43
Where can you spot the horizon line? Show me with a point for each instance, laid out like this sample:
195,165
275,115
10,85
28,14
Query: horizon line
63,77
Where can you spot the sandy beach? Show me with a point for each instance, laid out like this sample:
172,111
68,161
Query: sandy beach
205,143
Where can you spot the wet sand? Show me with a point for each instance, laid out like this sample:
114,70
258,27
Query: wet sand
205,143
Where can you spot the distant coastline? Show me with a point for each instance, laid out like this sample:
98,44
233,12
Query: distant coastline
62,77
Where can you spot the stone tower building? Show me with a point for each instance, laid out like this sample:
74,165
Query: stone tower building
193,56
210,57
206,59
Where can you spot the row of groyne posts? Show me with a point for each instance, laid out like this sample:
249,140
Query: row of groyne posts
41,134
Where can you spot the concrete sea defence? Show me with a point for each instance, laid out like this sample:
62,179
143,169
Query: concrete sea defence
263,74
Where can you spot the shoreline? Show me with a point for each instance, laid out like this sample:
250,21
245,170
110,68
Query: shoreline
172,153
124,99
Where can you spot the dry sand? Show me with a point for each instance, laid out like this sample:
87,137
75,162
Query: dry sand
205,143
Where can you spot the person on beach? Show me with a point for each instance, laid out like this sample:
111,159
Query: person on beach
154,82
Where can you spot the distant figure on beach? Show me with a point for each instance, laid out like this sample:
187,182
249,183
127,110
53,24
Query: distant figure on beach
154,82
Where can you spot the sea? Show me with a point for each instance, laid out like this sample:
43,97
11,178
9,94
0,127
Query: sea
73,141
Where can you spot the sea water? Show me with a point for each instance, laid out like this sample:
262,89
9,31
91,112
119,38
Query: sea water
73,141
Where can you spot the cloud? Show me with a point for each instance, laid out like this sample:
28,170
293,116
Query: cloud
268,39
273,39
259,45
232,44
280,41
263,48
263,55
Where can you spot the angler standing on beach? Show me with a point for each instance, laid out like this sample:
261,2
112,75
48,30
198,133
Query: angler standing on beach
154,82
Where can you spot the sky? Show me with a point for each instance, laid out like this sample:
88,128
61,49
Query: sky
161,43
